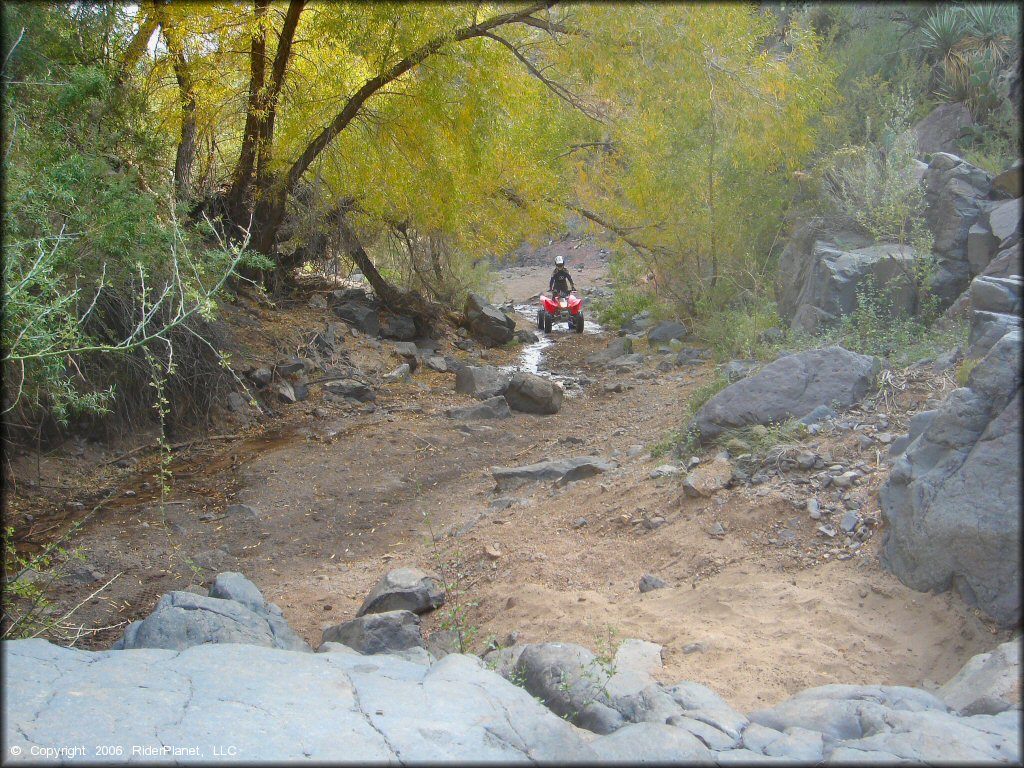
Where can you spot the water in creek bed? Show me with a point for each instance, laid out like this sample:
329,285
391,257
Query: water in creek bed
533,354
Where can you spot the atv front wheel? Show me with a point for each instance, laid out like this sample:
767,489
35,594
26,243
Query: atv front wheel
547,322
540,319
578,325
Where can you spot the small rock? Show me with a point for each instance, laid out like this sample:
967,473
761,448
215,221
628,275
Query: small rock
665,470
654,522
806,460
649,582
693,462
634,450
493,551
130,493
884,437
846,479
694,648
580,522
717,529
814,509
849,521
828,530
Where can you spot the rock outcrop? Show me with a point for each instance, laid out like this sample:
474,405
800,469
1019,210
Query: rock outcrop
952,500
976,231
266,705
235,612
789,387
373,693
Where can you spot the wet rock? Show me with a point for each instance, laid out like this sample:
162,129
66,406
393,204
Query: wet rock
649,582
403,589
378,632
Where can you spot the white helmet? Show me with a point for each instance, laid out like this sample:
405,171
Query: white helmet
559,260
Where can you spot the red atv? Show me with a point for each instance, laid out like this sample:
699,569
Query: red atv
559,307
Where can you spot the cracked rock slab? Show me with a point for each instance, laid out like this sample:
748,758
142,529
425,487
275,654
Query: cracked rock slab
272,705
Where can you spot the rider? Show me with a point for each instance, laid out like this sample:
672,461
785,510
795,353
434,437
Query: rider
561,280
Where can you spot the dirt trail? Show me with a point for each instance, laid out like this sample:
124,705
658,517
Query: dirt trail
336,496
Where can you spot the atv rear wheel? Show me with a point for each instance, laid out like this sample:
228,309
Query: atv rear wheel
578,325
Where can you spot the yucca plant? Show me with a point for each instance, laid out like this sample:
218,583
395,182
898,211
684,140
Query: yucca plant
992,30
943,32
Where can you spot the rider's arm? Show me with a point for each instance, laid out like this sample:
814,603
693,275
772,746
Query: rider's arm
571,283
551,282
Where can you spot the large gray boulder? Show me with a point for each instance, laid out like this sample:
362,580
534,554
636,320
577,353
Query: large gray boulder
667,330
562,471
397,327
360,315
939,130
788,387
952,500
571,682
403,589
488,325
530,393
482,381
1011,181
183,619
260,705
988,684
385,632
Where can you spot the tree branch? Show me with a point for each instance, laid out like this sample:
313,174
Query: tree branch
371,86
559,90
